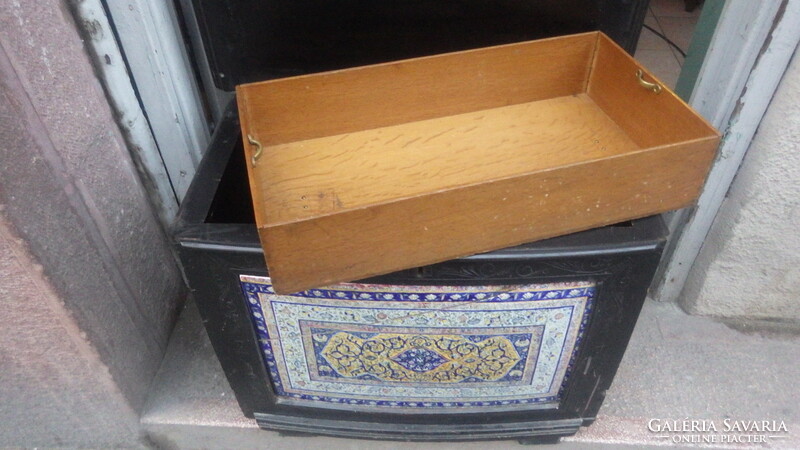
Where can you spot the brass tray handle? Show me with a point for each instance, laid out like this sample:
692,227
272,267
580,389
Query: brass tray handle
655,87
259,149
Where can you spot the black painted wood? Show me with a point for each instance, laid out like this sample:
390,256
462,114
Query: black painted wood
216,241
254,40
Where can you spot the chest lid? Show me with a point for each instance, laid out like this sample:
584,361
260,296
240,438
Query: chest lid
369,170
255,40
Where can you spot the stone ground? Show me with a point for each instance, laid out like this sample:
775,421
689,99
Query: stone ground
677,366
668,18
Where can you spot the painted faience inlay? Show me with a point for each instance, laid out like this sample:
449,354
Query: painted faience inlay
419,358
420,346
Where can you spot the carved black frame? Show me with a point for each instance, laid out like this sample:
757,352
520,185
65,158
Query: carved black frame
620,259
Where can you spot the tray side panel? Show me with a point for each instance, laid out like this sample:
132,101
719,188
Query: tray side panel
448,224
330,103
649,119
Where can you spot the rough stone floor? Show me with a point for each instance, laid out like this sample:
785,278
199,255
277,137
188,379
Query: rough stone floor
676,367
668,18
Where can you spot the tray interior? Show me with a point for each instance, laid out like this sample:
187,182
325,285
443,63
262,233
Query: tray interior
233,204
366,136
383,164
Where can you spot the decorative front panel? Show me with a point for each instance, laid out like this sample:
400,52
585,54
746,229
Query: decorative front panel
420,346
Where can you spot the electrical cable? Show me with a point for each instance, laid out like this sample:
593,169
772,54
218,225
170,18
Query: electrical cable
666,39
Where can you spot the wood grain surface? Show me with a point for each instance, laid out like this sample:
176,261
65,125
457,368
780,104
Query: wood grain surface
291,109
444,225
326,175
649,119
371,170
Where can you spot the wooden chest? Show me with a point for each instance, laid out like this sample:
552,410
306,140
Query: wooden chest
365,171
257,334
540,327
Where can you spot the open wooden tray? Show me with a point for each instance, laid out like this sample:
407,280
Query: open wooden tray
370,170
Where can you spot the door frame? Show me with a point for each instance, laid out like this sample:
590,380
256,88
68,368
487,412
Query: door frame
749,50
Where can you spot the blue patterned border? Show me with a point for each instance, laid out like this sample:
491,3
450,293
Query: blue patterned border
436,294
367,292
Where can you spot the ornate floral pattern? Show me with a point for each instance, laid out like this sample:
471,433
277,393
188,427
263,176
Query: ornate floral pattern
420,346
420,358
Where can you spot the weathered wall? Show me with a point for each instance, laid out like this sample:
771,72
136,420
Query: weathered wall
84,352
54,389
749,266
